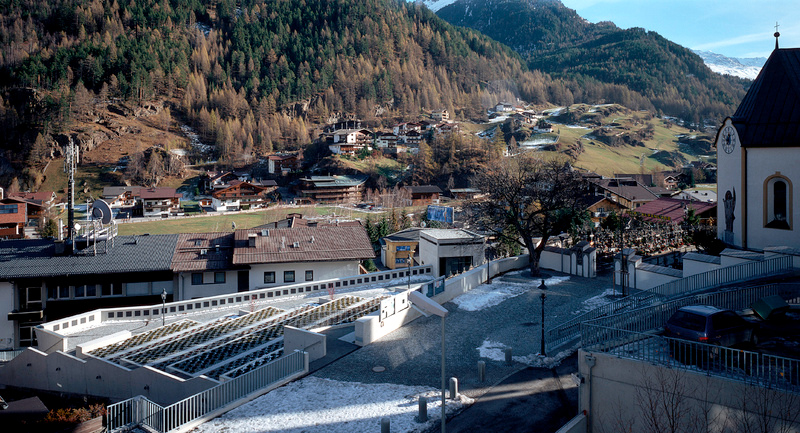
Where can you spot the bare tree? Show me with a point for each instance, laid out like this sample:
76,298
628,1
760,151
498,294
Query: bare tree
538,197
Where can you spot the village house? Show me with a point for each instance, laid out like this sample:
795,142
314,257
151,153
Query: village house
440,115
44,199
350,141
40,282
629,193
284,163
274,257
214,180
240,195
121,196
600,207
160,201
333,189
385,139
423,195
398,249
504,107
12,218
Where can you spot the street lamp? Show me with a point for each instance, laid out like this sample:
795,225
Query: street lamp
426,306
163,305
542,296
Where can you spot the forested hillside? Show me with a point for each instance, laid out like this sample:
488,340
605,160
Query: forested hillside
653,73
251,76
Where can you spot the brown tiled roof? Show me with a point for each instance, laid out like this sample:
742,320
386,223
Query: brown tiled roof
159,192
769,115
42,196
303,244
199,252
424,189
672,209
627,188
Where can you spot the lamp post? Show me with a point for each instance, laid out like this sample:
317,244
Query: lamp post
542,296
163,304
426,306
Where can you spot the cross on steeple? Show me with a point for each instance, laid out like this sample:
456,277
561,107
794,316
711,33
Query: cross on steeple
777,35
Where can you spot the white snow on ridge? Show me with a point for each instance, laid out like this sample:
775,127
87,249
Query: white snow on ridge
435,5
749,72
319,405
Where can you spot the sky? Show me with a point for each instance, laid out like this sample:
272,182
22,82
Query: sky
734,28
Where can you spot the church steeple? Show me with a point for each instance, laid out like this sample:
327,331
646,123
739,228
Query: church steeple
777,35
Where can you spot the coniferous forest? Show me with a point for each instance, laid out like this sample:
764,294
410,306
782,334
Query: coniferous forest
256,76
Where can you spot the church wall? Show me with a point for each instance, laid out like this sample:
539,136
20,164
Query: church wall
763,163
729,175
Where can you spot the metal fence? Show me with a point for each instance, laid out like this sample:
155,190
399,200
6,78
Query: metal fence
570,330
139,411
647,319
8,355
741,365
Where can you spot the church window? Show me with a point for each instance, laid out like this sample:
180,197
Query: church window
778,203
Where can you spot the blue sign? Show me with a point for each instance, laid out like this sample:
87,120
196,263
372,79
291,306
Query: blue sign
440,213
403,248
400,261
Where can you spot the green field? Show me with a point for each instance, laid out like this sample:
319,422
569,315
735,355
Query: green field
223,223
607,160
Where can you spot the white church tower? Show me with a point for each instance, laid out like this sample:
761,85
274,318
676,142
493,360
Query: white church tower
758,160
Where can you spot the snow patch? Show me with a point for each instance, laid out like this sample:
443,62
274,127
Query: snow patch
489,295
496,352
319,405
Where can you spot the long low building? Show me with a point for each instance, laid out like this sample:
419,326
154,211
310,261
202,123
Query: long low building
40,280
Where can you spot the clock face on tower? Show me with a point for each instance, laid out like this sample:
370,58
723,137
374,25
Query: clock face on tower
728,139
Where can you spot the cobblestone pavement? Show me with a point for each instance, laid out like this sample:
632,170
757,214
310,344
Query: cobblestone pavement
412,355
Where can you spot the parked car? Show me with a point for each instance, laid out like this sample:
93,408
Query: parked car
708,325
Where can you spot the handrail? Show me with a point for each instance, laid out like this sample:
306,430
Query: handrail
569,330
139,411
153,312
736,364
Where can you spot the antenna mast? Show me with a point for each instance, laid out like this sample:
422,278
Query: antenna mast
70,163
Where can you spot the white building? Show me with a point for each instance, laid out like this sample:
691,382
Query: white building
450,251
758,152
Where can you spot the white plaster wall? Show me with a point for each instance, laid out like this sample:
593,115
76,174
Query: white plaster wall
729,168
761,164
692,267
644,280
322,271
188,291
6,306
726,261
61,372
555,261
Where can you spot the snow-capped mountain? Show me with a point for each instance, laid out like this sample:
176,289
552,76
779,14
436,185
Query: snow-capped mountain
435,5
738,67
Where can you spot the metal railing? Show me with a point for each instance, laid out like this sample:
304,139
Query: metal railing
139,411
741,365
152,312
570,330
8,355
650,318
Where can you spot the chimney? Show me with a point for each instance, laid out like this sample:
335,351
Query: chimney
283,242
312,239
251,239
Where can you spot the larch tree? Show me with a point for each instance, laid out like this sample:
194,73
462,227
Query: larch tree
538,198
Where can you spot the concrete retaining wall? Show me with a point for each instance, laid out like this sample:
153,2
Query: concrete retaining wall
621,389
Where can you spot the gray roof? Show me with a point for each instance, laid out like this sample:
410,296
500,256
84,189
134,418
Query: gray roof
407,235
29,258
769,115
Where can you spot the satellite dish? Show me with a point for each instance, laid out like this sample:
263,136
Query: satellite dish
422,224
101,211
